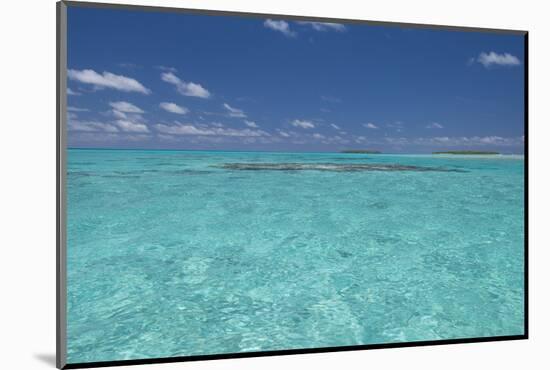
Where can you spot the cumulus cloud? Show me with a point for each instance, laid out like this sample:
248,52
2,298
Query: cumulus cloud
105,137
234,112
174,108
279,26
370,125
107,80
72,92
397,126
302,124
251,124
127,124
397,140
185,88
318,136
323,26
196,130
75,109
434,125
495,59
335,140
119,114
91,126
479,140
284,134
132,126
128,117
124,106
360,139
461,141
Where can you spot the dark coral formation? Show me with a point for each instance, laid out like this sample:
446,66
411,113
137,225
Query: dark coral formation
335,167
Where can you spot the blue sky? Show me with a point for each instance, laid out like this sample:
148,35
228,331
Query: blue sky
179,81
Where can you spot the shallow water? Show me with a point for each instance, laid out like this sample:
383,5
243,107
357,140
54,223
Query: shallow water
175,253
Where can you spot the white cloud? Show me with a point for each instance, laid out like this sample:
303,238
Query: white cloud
458,141
334,126
167,137
91,126
250,124
234,112
129,117
492,58
131,126
434,125
284,134
323,26
174,108
318,136
74,124
75,109
185,88
397,140
72,92
370,125
119,114
191,129
280,26
397,126
128,128
106,137
335,140
302,124
107,80
494,140
125,107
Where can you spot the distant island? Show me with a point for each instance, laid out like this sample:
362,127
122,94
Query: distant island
359,151
467,152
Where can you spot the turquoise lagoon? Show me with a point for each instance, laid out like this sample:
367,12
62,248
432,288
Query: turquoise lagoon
177,253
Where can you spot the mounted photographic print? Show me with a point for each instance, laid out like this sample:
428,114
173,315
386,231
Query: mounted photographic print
234,184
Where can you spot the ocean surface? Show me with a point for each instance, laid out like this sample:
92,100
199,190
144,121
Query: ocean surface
178,253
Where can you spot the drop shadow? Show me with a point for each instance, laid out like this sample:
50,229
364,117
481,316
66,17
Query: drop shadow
47,358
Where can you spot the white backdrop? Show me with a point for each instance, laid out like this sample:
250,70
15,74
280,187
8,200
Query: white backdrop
27,202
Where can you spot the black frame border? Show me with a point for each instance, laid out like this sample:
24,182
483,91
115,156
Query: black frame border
61,67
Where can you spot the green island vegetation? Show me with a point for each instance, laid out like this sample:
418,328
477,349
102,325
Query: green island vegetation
467,152
360,151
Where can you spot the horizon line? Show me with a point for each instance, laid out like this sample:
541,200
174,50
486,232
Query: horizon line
270,151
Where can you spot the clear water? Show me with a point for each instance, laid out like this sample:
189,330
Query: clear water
171,254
